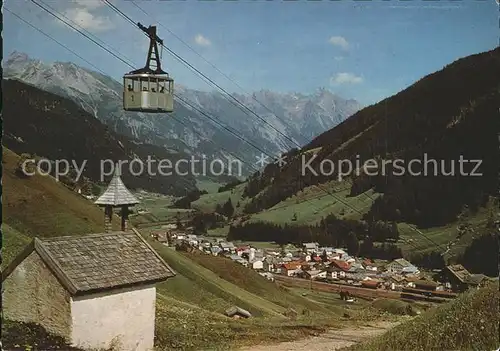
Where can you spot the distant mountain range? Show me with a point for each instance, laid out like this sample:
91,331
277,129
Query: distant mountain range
299,117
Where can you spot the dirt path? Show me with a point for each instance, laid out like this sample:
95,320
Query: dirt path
331,340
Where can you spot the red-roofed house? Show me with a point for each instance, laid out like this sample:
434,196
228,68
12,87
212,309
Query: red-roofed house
338,269
342,265
291,268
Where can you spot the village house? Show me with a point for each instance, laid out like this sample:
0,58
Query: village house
192,239
339,253
455,277
227,247
369,265
267,275
215,250
311,266
476,280
401,266
93,290
459,279
179,236
424,285
356,267
270,264
338,269
316,259
348,259
257,264
314,274
234,258
396,282
328,250
189,230
242,249
238,259
205,247
290,269
336,273
311,247
371,283
161,236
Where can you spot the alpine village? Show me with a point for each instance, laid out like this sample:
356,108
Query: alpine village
271,259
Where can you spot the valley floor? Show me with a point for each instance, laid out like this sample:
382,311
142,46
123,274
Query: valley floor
332,340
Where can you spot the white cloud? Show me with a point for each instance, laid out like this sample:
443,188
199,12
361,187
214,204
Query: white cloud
201,40
85,19
346,78
339,41
89,4
86,14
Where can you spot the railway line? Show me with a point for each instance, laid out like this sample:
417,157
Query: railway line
360,292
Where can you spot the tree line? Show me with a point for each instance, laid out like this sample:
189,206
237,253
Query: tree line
375,239
185,202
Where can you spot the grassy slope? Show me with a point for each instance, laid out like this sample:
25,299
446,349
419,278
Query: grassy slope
192,304
13,242
254,283
39,206
223,294
208,185
157,207
468,323
364,134
314,203
208,202
189,305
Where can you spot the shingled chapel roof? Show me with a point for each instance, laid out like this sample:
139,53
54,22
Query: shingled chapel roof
97,262
117,193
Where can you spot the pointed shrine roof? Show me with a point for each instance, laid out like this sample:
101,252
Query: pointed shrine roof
117,193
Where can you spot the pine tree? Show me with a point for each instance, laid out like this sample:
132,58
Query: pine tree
178,220
352,244
228,208
24,169
86,187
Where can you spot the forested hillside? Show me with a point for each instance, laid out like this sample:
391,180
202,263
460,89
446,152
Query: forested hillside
439,117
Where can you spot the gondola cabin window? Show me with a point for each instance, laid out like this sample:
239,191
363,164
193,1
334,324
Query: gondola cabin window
148,93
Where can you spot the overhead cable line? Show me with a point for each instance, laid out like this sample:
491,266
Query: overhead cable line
196,70
223,90
90,37
102,72
70,50
239,104
216,68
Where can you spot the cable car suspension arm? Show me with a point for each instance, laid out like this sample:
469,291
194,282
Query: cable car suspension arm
153,63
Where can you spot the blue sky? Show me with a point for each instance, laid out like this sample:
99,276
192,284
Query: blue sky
362,50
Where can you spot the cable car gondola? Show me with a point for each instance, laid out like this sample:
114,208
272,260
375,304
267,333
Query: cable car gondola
149,89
